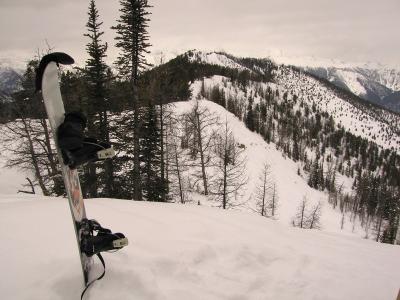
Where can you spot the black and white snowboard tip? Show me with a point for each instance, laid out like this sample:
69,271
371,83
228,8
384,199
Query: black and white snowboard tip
57,57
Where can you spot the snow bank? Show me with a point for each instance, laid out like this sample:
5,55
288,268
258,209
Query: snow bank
11,179
186,252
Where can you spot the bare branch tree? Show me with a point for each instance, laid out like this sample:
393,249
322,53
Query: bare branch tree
266,195
230,168
273,201
32,191
308,219
19,139
28,137
300,219
201,133
314,218
176,160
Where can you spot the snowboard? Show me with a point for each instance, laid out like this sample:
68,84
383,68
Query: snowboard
47,80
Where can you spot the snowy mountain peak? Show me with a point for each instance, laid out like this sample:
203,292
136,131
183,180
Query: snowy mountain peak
321,62
214,58
372,81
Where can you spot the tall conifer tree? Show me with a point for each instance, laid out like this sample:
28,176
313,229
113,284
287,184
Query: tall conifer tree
132,39
97,106
150,156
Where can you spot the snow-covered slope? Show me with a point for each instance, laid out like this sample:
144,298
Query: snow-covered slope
9,80
214,58
388,76
291,187
10,74
11,179
375,124
186,252
371,85
379,126
370,81
359,83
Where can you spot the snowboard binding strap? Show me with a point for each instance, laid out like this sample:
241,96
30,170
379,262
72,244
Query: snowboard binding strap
76,149
89,152
104,240
105,153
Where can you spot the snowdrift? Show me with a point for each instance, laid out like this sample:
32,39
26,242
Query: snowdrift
186,252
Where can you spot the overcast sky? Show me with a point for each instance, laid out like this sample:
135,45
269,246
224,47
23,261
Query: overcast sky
351,30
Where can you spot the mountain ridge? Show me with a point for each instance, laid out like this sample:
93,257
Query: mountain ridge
389,119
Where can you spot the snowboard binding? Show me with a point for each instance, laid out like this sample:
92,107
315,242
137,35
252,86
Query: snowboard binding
76,149
104,240
96,239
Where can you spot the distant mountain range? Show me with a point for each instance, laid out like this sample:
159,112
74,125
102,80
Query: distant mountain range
379,86
9,79
375,83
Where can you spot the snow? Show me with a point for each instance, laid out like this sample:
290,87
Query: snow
321,62
310,61
381,129
11,179
218,59
189,251
291,187
186,252
15,63
351,80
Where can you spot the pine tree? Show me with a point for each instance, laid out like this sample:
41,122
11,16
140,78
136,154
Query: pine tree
96,68
97,106
250,122
132,39
150,156
296,151
157,87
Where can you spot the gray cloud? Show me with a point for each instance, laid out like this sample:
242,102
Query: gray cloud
346,29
